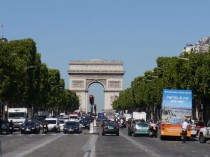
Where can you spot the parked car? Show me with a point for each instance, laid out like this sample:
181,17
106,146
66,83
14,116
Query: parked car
131,124
53,124
204,133
111,127
4,127
141,128
30,127
72,127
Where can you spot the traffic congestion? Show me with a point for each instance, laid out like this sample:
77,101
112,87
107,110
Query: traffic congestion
130,127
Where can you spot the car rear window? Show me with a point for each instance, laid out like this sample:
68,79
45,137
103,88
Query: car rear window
200,124
143,124
51,121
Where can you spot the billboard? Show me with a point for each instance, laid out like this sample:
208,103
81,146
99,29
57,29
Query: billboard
176,106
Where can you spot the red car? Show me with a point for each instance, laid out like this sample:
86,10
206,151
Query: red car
199,125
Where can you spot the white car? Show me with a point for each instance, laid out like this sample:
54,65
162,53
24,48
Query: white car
66,118
53,124
204,133
193,130
62,122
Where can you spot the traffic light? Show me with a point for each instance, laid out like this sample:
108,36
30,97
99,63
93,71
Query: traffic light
95,107
91,99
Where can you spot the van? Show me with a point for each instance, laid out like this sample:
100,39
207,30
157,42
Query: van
53,124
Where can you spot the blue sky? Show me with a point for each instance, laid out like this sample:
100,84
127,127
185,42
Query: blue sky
134,31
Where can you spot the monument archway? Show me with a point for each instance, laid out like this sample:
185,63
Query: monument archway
107,73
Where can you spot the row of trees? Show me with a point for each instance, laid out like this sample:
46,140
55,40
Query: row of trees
188,71
25,81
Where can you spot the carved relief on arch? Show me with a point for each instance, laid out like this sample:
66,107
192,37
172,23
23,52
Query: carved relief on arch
90,81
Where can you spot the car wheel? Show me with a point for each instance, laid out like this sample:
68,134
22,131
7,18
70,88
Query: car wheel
202,139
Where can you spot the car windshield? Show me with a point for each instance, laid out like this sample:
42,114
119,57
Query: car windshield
51,121
16,115
200,124
29,124
111,123
71,123
143,124
61,121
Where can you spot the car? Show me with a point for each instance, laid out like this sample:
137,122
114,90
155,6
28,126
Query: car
204,133
66,118
124,122
85,121
53,124
72,127
131,123
62,122
111,127
30,127
141,128
193,130
4,127
199,125
104,121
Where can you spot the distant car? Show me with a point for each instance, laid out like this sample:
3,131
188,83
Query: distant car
30,127
105,121
85,121
66,118
4,127
72,127
62,122
141,128
131,124
110,127
53,124
124,122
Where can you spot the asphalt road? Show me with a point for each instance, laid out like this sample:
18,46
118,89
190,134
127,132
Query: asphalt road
93,144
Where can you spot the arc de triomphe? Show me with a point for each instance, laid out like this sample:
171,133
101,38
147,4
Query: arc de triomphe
108,73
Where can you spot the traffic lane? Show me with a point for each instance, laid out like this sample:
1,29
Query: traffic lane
112,146
170,147
32,144
74,145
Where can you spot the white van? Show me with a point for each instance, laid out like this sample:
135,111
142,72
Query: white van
53,124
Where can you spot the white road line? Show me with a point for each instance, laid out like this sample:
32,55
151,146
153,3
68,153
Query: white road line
32,147
141,146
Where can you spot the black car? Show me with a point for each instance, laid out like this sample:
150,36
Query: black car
30,127
111,127
72,127
85,121
4,127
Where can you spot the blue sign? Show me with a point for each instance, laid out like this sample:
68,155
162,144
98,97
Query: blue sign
176,105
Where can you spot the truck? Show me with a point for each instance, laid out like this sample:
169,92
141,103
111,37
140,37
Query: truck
139,115
176,107
18,116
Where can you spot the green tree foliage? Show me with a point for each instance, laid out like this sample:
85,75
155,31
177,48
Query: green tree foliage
25,81
188,71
